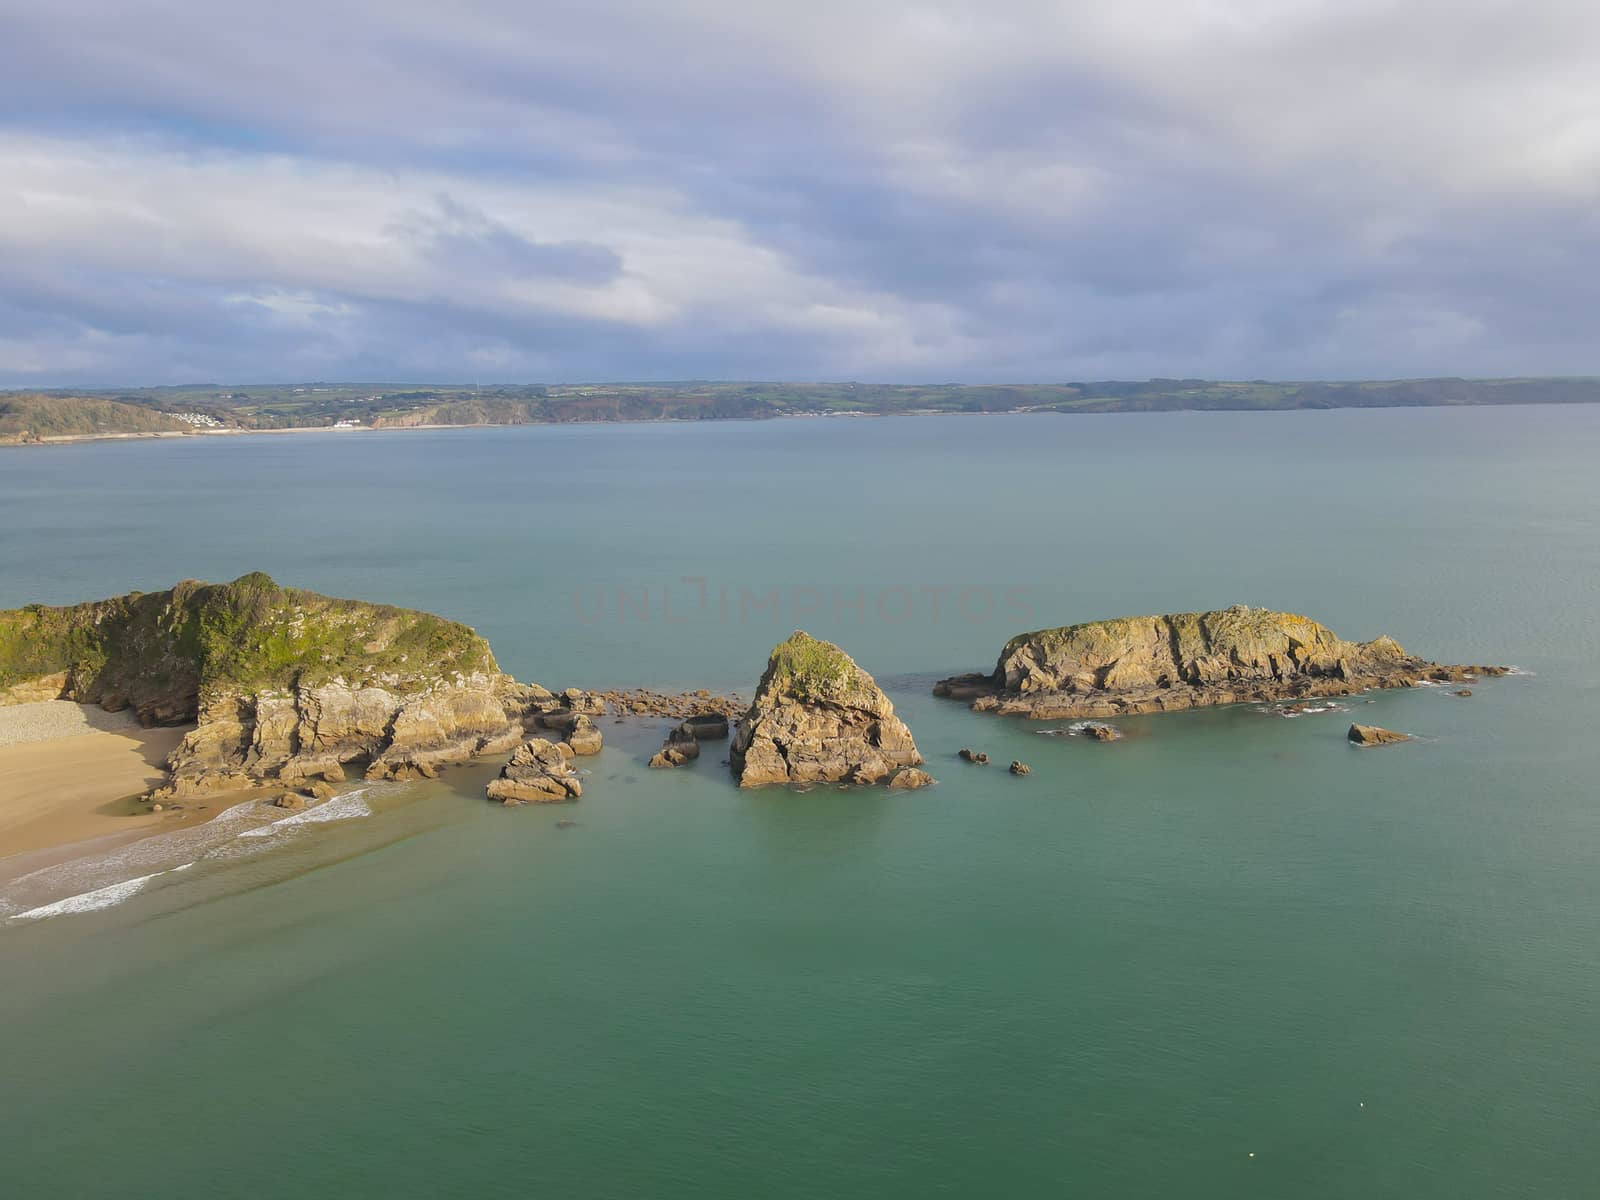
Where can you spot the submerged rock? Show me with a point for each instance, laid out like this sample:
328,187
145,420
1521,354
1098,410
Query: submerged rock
1372,735
818,717
642,702
1100,733
537,774
1186,660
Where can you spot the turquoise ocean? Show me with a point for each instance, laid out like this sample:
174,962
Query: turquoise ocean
1229,956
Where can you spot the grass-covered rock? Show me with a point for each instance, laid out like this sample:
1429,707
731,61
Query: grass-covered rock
819,718
161,652
283,684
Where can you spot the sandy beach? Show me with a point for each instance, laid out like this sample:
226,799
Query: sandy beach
70,772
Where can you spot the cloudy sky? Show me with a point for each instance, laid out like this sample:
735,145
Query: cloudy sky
536,190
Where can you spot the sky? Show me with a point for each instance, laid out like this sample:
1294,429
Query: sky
1003,190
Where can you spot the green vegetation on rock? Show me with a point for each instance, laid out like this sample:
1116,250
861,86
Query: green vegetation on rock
163,652
813,671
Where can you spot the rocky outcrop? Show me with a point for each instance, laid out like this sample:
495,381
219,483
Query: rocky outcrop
818,717
909,778
1372,735
315,732
683,742
1186,660
680,747
537,774
283,685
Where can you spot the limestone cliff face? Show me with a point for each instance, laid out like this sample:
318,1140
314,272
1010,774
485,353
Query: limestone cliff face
283,684
1182,660
818,717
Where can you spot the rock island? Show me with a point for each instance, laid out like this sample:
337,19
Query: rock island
819,718
1186,660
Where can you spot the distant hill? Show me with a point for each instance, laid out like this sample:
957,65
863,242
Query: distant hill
408,405
27,418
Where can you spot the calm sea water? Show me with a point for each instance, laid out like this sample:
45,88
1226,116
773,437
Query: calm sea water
1228,956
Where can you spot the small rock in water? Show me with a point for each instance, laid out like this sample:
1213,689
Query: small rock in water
1101,733
1372,735
680,747
972,756
1464,692
155,808
537,773
706,726
1020,768
909,777
584,738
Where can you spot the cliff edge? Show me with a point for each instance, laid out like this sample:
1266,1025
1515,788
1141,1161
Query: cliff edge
1187,660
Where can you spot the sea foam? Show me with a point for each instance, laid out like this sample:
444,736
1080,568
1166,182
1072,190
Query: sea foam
100,881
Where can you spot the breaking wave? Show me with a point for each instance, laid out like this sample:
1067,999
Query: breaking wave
105,897
104,880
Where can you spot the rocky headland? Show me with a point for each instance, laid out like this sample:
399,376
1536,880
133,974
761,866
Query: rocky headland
817,717
282,684
1187,660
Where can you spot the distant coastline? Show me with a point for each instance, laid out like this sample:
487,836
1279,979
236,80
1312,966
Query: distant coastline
58,417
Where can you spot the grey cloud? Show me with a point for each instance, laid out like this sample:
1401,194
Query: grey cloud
1019,190
462,238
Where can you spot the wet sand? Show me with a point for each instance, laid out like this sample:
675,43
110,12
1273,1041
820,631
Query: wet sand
63,786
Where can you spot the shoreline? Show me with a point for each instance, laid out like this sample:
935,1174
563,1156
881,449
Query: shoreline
68,439
68,783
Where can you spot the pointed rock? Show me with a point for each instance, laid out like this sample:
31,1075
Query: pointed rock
819,718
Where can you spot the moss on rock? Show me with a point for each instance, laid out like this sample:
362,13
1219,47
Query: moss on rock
163,652
815,671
